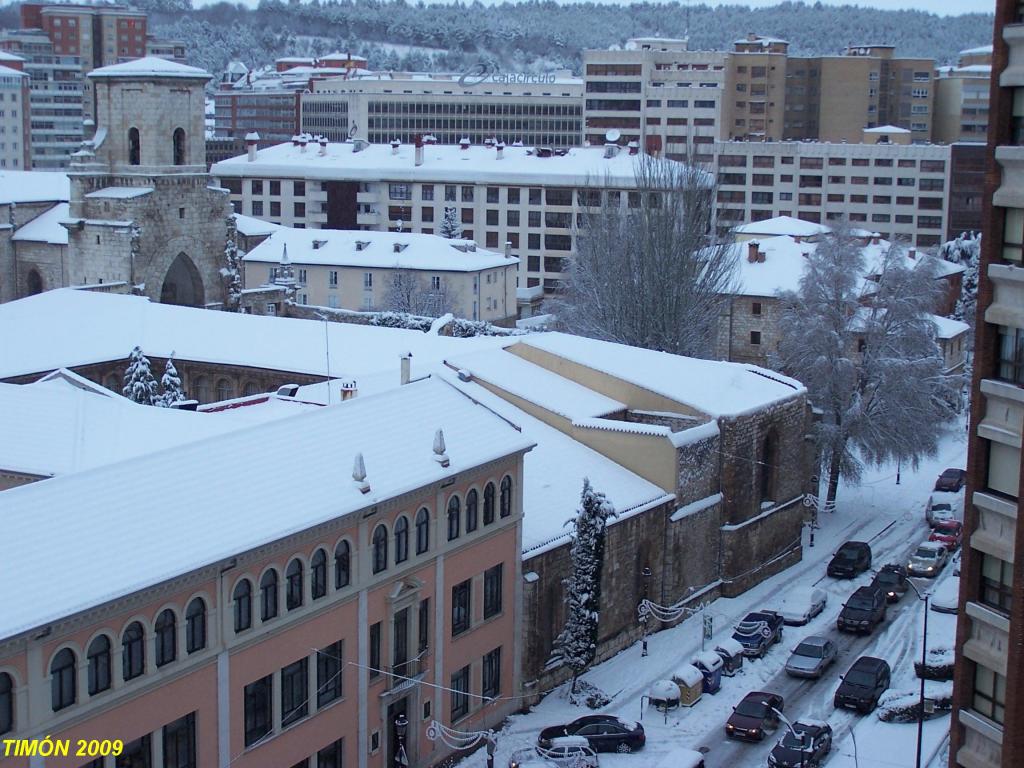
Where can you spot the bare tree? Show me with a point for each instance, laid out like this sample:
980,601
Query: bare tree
648,269
866,351
413,293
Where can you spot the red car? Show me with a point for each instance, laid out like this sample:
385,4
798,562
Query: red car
948,532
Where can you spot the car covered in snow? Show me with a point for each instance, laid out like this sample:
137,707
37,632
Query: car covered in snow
569,752
850,560
863,684
528,758
928,559
811,657
757,632
892,580
754,716
949,533
863,611
604,733
943,506
805,745
802,604
946,598
951,479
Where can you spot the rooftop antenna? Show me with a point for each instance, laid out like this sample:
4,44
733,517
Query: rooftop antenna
687,35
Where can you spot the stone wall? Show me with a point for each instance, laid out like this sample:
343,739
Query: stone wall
737,323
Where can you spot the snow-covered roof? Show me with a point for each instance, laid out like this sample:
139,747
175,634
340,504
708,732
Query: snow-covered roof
948,328
711,387
383,250
34,187
119,193
980,50
151,66
441,162
251,227
45,228
886,129
233,497
11,72
980,69
760,39
8,56
340,55
782,225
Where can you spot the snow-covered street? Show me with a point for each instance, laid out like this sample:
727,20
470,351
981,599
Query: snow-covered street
888,516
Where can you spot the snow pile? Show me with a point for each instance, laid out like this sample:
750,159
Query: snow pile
904,706
938,664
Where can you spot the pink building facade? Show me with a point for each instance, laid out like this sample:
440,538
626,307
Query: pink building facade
304,648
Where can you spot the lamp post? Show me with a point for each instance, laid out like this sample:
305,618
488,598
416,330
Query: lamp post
646,574
924,660
401,726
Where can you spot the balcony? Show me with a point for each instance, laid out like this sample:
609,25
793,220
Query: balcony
367,197
371,219
1013,75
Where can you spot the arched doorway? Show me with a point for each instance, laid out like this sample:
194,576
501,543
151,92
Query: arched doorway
33,283
182,284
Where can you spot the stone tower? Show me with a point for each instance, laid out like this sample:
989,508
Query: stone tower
142,209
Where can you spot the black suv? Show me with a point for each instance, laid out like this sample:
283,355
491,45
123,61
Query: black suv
861,686
864,611
892,580
853,557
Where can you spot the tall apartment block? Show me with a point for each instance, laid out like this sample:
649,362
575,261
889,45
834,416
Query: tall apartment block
961,97
55,97
989,684
15,145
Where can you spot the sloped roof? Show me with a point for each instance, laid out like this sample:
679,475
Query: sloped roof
151,66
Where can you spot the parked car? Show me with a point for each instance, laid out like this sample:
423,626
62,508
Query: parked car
802,604
570,752
951,480
528,758
753,717
806,745
682,758
851,559
928,559
892,580
811,657
604,733
864,611
946,599
943,506
949,533
757,632
863,683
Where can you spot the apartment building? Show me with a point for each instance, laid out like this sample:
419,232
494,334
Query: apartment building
961,97
529,198
172,50
537,110
15,142
56,86
989,684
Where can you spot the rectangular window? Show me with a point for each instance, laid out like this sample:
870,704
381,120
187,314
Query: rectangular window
332,278
533,241
331,756
423,625
755,308
258,703
400,191
329,668
467,194
275,208
136,754
996,583
275,188
257,207
492,674
427,215
180,742
294,692
467,216
512,218
367,280
492,591
375,649
989,693
257,187
300,210
450,192
427,192
513,196
461,607
492,194
298,189
492,217
460,694
533,218
755,338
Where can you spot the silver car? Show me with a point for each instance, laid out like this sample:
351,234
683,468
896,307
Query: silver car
928,559
811,657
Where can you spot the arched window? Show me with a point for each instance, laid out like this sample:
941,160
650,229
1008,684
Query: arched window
767,467
342,565
195,626
380,548
318,574
224,389
401,539
422,531
179,146
201,389
34,283
134,147
488,503
6,703
472,502
62,679
133,651
250,389
505,505
453,518
98,658
268,595
293,588
242,598
166,628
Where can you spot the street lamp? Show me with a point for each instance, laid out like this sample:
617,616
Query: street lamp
401,726
924,661
646,573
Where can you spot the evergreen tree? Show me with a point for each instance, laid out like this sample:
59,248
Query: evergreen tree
139,384
450,226
577,642
231,271
170,384
965,250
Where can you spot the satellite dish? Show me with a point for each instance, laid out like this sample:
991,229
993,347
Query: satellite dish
612,135
352,129
399,224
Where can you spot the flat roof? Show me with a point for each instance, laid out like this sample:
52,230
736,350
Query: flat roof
34,187
151,66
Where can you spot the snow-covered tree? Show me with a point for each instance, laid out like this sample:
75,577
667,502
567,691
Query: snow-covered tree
231,271
867,353
450,226
139,384
650,273
170,385
410,292
965,250
577,643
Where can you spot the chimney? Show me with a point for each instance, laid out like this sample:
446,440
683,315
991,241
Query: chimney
761,255
395,144
323,147
611,150
295,141
508,249
302,143
912,253
359,474
752,247
348,389
252,141
797,239
418,141
406,367
875,237
634,148
464,142
499,150
440,452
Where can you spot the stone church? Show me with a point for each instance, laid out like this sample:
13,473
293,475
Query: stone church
143,214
